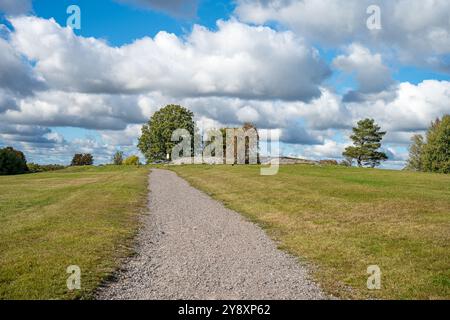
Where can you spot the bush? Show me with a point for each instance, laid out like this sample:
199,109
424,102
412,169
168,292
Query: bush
82,160
132,161
12,162
35,168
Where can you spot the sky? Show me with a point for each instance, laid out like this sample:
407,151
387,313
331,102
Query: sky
307,70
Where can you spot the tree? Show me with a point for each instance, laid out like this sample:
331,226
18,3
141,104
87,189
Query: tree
436,151
85,159
12,162
132,161
155,141
248,149
415,161
367,140
118,158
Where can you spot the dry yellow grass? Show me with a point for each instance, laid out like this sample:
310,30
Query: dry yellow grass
344,219
78,216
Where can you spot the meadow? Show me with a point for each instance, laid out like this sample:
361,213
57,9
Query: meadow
341,220
337,220
78,216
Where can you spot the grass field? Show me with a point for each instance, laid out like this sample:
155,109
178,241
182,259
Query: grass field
79,216
344,219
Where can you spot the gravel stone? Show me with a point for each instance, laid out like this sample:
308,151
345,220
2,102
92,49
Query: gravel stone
192,247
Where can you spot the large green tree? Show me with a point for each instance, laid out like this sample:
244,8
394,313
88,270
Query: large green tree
155,142
436,151
12,162
366,138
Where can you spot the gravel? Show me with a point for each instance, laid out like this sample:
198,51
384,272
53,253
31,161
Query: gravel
192,247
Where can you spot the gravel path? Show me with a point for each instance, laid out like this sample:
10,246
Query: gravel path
192,247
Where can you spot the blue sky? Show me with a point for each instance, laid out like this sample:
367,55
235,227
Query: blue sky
278,65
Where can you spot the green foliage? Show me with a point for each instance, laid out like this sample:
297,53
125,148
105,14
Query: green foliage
35,168
415,161
155,141
367,140
131,161
118,158
12,162
85,159
436,151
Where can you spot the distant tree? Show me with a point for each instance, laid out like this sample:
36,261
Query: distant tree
249,149
85,159
131,161
35,168
12,162
415,161
76,160
155,141
436,151
366,138
118,158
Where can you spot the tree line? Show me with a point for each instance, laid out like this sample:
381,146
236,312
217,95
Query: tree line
428,154
432,152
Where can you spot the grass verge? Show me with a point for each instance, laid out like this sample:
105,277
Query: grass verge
345,219
78,216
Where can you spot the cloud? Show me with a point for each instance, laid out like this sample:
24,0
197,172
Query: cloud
69,109
16,76
370,72
37,136
177,8
330,149
296,134
413,109
237,60
14,7
418,32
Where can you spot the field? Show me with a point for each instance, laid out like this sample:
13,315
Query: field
79,216
341,220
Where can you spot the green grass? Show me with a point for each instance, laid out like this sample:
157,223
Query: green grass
78,216
342,220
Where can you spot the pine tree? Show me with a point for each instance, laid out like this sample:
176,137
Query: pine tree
366,138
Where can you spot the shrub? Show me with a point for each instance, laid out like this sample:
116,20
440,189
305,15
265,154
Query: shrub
132,161
12,162
35,168
85,159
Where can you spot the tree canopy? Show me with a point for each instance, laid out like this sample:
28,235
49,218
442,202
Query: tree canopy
12,162
80,159
433,154
155,142
366,138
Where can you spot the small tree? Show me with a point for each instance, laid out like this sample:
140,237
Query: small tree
436,151
156,139
132,161
76,160
366,138
415,161
85,159
118,158
12,162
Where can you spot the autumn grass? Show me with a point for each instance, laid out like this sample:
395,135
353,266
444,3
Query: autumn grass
78,216
342,220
